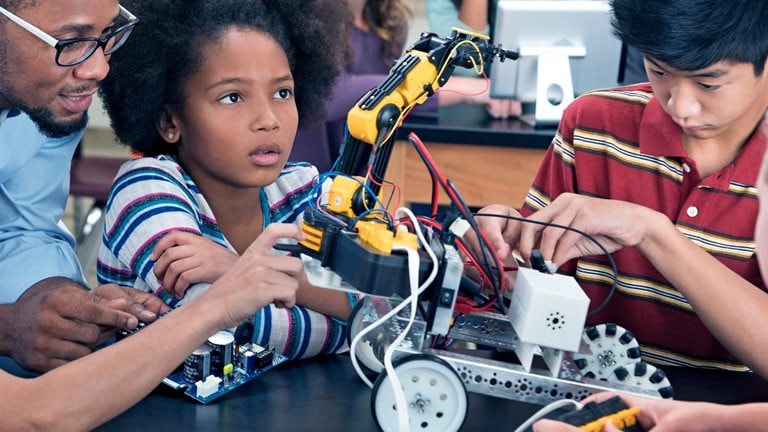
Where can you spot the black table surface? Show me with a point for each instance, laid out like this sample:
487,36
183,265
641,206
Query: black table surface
325,394
471,125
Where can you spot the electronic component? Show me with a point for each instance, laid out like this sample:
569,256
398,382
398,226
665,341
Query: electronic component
264,358
207,387
244,332
247,361
124,333
593,416
441,308
198,365
220,365
547,310
221,345
611,346
539,263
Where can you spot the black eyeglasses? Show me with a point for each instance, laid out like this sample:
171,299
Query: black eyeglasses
70,52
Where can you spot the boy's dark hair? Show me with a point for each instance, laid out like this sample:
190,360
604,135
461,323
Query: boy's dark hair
689,35
165,49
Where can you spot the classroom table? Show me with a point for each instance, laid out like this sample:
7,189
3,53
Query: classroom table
325,394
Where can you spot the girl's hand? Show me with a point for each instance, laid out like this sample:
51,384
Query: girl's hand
183,258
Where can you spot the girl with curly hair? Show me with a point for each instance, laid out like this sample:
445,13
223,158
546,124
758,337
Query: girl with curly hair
211,93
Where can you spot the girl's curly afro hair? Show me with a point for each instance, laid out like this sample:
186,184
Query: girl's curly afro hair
165,49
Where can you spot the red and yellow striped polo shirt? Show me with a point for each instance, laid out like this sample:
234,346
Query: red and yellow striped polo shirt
620,144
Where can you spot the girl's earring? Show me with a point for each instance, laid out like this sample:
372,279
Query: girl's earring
170,136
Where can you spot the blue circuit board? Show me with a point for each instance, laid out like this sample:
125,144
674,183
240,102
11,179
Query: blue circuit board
213,386
232,381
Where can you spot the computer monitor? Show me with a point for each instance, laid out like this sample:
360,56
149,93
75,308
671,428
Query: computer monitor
566,48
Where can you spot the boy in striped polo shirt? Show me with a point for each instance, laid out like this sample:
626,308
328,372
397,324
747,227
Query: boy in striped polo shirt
670,415
663,174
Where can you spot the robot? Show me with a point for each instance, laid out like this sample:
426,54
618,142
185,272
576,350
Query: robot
354,243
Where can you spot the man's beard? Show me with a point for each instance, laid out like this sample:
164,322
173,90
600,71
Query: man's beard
44,118
49,126
41,115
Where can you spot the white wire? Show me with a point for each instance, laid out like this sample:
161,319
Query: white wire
413,271
562,403
400,404
353,351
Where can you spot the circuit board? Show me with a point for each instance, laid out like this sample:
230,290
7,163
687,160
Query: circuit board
225,362
226,383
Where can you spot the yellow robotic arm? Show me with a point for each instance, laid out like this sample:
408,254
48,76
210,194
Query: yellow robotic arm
342,232
423,69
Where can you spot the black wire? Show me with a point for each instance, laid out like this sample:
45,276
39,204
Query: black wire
484,248
615,280
467,213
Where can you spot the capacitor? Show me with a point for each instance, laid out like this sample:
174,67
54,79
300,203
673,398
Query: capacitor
244,333
198,365
249,362
221,345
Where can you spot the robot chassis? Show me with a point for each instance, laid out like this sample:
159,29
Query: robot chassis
556,358
435,381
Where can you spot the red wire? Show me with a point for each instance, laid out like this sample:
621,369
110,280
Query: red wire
455,198
387,184
473,262
487,86
468,306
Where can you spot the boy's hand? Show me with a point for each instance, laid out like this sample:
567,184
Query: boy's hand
615,224
502,234
183,258
656,415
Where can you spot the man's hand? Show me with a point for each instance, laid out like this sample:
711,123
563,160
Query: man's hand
183,258
143,305
57,320
258,278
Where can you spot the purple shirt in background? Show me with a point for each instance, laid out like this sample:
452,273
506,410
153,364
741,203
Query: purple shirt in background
320,144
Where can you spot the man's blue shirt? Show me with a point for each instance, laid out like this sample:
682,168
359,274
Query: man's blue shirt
34,187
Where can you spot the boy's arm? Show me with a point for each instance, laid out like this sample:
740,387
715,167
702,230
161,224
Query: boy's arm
732,308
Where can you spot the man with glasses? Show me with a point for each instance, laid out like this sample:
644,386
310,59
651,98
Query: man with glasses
52,56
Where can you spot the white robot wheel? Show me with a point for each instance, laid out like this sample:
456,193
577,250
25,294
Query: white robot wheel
612,346
434,393
364,351
644,375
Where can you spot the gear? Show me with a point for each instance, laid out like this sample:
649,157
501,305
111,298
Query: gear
612,346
